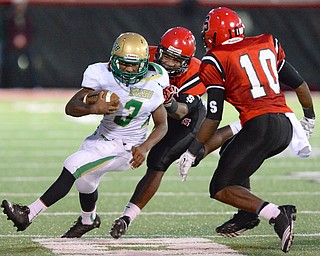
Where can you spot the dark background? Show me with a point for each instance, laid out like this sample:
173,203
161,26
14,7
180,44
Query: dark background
66,39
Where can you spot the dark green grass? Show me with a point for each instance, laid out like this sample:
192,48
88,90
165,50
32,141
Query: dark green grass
34,144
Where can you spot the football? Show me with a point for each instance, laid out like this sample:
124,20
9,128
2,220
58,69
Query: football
92,97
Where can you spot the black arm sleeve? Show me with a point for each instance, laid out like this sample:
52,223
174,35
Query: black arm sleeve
215,102
191,101
289,76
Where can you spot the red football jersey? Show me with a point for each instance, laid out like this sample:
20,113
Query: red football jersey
188,82
247,71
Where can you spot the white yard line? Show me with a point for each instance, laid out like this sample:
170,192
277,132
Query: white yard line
137,247
163,194
58,214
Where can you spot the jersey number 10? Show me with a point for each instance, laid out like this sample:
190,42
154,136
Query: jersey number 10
268,64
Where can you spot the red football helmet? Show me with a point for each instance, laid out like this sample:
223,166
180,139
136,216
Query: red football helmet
178,43
220,25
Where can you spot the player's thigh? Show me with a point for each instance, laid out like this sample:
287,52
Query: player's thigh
241,157
258,140
169,149
89,165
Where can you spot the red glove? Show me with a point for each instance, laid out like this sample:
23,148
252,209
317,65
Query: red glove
168,93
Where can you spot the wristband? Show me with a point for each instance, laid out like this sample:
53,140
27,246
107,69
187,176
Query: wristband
173,107
309,113
195,147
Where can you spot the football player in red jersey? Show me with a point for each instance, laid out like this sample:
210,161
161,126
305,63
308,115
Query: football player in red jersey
186,111
246,72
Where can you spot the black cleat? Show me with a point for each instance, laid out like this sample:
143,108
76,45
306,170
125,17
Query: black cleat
239,223
119,227
79,229
18,214
283,225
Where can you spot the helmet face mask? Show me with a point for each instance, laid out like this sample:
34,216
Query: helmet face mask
179,68
178,45
220,25
129,49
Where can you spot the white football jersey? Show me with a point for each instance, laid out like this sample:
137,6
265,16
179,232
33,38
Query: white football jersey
137,101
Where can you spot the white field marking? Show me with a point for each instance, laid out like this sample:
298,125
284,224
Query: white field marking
75,141
307,175
19,235
136,246
163,194
287,153
59,214
90,119
35,107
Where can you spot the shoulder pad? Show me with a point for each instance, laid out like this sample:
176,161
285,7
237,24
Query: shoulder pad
156,68
157,73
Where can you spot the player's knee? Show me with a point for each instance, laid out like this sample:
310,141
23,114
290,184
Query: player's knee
158,166
154,174
224,145
85,187
216,186
69,165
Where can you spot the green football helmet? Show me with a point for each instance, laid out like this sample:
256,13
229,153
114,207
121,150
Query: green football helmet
129,48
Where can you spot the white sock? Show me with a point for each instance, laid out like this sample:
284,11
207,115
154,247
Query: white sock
269,211
88,217
35,209
132,211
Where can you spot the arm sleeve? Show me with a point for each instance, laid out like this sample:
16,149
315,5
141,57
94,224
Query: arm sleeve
191,101
215,102
289,76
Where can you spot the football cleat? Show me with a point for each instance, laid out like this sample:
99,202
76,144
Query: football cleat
239,223
119,227
283,225
18,214
79,229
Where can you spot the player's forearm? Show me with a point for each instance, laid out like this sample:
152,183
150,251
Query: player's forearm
77,109
181,111
304,95
305,99
155,136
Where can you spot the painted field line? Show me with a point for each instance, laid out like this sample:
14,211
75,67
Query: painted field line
137,247
305,175
58,214
23,235
163,194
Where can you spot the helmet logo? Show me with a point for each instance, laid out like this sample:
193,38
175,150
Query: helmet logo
131,57
115,47
174,50
206,24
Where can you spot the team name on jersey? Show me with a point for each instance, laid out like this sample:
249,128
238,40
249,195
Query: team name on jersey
142,93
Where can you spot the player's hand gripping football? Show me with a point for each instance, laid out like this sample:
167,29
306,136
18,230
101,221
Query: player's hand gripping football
184,164
308,125
104,107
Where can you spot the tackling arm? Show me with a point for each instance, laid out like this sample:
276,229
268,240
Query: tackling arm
207,129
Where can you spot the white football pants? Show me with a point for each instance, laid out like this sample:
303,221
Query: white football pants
97,156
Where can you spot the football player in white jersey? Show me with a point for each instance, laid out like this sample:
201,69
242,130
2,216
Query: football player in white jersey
119,143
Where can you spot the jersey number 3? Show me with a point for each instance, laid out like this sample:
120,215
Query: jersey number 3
133,106
268,64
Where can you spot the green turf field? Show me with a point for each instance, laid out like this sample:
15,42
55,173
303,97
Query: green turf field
36,137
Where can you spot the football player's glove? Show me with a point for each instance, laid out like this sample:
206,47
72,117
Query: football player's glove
308,125
168,93
184,164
